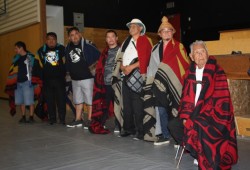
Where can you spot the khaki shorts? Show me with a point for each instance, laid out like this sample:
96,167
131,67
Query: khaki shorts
83,91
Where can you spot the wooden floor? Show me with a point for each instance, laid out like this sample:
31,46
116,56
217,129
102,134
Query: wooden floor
41,147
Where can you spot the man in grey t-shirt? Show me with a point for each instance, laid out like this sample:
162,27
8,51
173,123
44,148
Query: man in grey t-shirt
103,95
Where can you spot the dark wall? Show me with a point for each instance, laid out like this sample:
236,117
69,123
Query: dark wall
112,13
208,18
199,19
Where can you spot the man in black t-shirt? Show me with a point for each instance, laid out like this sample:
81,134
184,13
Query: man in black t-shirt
52,56
24,82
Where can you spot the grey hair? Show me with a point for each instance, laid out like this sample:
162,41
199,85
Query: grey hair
198,42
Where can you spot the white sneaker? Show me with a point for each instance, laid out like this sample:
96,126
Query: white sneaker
116,130
195,162
176,146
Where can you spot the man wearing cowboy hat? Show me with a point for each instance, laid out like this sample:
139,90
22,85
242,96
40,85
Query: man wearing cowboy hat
128,103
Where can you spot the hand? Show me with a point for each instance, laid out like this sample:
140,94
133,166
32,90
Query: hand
127,69
122,67
184,122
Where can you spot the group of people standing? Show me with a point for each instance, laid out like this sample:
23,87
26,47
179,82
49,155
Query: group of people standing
155,91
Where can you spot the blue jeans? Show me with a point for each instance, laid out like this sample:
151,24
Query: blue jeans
164,122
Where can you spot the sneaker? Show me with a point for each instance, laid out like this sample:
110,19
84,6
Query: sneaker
161,141
86,124
176,145
195,162
138,137
23,120
116,130
76,123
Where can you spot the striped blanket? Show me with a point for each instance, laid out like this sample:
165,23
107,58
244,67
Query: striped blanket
164,82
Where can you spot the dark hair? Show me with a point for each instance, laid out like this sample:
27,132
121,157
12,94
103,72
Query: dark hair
113,31
52,34
72,29
20,44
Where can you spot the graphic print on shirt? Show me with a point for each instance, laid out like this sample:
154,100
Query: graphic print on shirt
75,55
26,62
52,58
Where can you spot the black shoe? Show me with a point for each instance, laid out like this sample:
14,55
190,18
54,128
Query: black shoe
23,120
31,120
86,124
51,123
62,123
138,137
162,141
76,123
125,133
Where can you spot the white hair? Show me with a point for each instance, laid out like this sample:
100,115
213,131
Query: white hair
198,42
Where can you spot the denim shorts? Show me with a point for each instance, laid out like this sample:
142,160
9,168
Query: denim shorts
24,94
83,91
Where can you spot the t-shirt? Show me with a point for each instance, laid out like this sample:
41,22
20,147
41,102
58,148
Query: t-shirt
130,53
77,65
22,69
109,64
52,59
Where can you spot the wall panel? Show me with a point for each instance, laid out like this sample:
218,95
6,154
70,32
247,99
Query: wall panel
97,36
19,14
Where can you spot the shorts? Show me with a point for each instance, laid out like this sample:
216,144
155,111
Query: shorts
83,91
24,94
